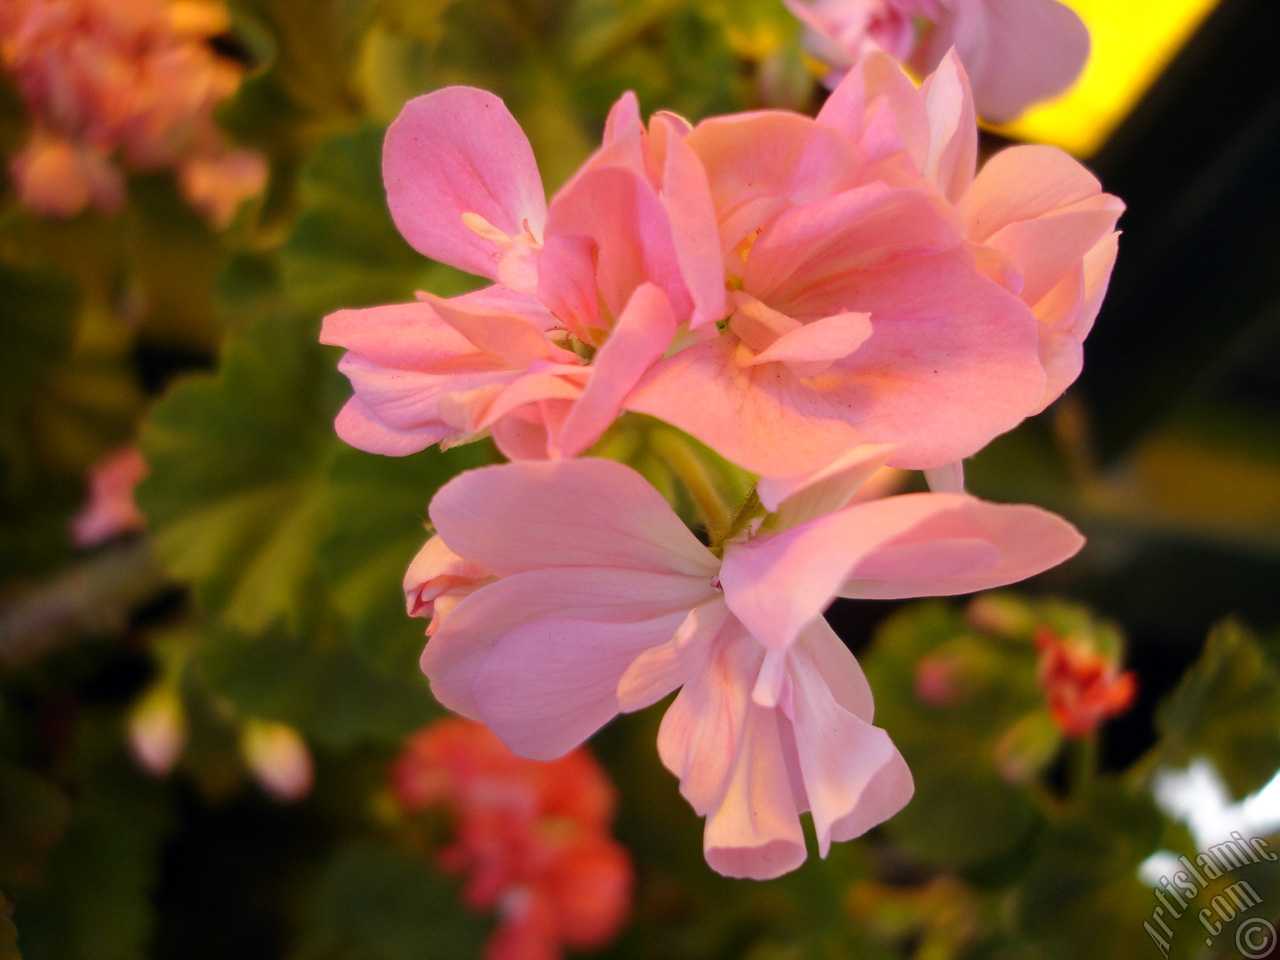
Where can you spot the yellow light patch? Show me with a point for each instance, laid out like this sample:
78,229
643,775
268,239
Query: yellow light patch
1133,42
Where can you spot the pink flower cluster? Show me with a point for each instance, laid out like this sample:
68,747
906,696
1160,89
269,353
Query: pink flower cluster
812,298
1017,52
123,84
532,839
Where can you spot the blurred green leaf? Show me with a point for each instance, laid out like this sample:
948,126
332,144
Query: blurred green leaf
376,507
236,493
963,812
322,686
1226,709
376,902
94,901
1081,896
40,311
344,250
33,818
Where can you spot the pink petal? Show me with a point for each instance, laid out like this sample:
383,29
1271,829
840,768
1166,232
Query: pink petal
952,156
459,151
761,163
810,349
1017,52
567,284
510,338
800,498
948,478
880,109
754,831
1023,183
916,545
621,213
813,260
700,736
638,341
358,426
854,777
762,418
659,670
457,652
408,335
550,683
578,513
435,570
687,195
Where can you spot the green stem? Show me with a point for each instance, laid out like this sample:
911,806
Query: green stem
747,511
692,471
1084,765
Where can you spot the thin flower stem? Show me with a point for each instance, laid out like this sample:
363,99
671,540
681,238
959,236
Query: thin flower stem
693,474
1084,765
748,510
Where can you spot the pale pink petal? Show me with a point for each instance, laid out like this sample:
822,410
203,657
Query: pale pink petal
754,831
538,385
810,349
804,496
687,195
948,478
760,163
567,284
659,670
405,335
1051,246
550,683
457,652
700,735
1022,183
621,213
358,426
838,667
764,419
513,339
638,341
854,777
1067,313
952,156
813,260
459,151
879,108
1017,52
916,545
436,570
576,513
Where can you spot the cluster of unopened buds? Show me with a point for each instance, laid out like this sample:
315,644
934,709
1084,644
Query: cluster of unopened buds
116,85
531,840
811,298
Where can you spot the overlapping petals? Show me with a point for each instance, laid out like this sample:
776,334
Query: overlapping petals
1018,52
602,601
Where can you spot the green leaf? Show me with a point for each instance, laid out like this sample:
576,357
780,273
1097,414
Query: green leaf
377,506
33,818
376,902
40,311
1226,709
94,900
1081,896
322,686
344,250
964,813
236,496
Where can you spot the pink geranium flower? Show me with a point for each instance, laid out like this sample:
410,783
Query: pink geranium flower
111,510
590,289
1017,51
1040,222
603,601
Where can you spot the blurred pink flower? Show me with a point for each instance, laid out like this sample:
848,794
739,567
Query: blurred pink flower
610,603
532,839
278,758
1018,52
123,83
111,509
